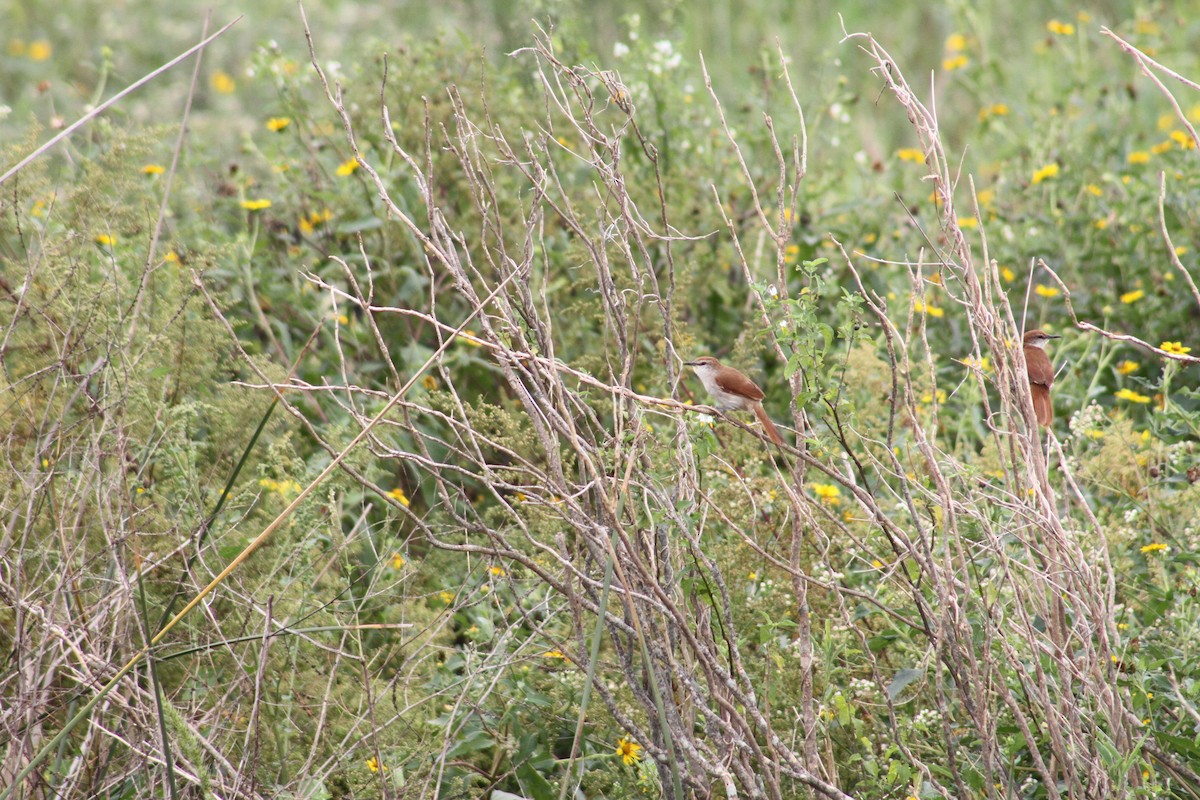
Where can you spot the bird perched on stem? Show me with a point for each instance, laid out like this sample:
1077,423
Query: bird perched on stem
1041,374
733,391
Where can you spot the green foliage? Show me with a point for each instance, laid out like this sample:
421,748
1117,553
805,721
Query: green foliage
390,636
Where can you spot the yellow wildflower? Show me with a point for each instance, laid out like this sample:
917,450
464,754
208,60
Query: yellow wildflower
497,571
446,597
1175,348
968,222
1132,297
374,765
1154,547
1093,189
933,311
553,654
954,62
1045,173
39,50
1126,367
1060,28
399,496
277,124
153,169
927,397
1046,291
1008,274
430,383
1183,139
994,110
256,205
1139,157
397,560
347,167
222,83
911,154
1161,147
628,750
1132,396
105,240
829,493
956,42
1100,224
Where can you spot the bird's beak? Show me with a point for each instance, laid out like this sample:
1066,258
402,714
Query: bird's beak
1052,336
690,363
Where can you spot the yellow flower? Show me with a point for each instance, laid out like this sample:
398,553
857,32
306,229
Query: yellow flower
1093,189
222,83
956,42
469,338
829,494
1045,173
374,765
1126,367
277,124
105,240
256,205
398,560
1175,348
1139,157
927,397
968,222
553,654
628,750
497,571
954,62
1100,224
986,197
1046,291
1181,250
1008,274
1132,297
1060,28
1184,140
1154,547
446,597
153,169
1132,396
1146,26
1161,147
40,50
347,167
994,110
399,496
933,311
430,383
911,154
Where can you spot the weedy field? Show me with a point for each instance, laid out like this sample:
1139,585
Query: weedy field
353,453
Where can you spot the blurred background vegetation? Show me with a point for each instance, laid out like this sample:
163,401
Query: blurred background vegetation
130,426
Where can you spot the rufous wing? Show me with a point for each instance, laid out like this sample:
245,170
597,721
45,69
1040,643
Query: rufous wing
734,382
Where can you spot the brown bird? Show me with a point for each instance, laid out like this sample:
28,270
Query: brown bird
733,391
1041,374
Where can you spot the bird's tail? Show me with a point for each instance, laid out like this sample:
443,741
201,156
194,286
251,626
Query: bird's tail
768,426
1043,409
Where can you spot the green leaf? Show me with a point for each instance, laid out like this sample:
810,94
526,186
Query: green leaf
903,678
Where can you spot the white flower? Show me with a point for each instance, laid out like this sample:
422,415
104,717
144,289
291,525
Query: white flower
620,49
